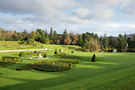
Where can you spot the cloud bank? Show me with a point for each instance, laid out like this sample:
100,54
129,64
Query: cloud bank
78,16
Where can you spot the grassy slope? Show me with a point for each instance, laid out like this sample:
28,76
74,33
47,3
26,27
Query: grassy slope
111,71
13,45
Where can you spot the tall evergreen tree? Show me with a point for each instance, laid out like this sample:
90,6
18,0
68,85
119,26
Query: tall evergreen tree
51,36
106,42
46,39
64,35
55,37
122,43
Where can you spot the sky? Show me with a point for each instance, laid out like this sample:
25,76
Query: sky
112,17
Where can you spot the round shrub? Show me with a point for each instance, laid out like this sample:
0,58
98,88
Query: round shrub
93,58
35,52
72,51
45,55
22,54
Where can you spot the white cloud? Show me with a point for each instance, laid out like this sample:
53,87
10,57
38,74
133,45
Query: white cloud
77,15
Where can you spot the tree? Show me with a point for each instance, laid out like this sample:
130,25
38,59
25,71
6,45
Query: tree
55,37
51,36
111,42
74,39
106,42
67,40
122,43
3,35
64,35
80,41
46,39
86,46
96,36
31,41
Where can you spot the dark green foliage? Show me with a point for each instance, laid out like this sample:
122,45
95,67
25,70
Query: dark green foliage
55,51
70,61
122,43
22,54
26,67
5,63
55,37
93,58
72,51
87,41
10,59
45,55
53,66
35,52
65,55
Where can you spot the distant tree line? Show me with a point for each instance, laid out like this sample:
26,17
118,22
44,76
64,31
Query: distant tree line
88,41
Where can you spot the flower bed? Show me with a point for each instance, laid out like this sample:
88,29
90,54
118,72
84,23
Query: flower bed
53,66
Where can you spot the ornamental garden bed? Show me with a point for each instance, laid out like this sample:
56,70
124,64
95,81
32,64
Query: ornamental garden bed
50,66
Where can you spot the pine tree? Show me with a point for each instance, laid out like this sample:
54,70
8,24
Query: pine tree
46,39
55,38
51,36
64,36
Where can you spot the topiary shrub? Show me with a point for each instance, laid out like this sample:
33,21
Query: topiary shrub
22,54
93,58
35,52
55,51
45,55
72,51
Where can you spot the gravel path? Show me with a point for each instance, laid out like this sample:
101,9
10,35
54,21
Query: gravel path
23,50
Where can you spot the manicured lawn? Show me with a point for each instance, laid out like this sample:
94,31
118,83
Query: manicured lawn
112,71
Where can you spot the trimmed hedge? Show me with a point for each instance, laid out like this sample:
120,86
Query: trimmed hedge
3,64
53,66
26,67
69,61
65,55
10,59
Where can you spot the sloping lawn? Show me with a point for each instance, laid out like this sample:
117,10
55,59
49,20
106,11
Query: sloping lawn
112,71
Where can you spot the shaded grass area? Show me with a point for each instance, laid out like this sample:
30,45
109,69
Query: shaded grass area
112,71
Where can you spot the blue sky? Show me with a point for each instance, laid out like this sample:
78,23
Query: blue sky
79,16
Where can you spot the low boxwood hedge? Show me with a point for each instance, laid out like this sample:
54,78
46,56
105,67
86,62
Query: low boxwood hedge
3,64
58,66
65,55
53,66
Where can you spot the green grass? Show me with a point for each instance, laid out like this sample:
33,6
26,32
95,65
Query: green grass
112,71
